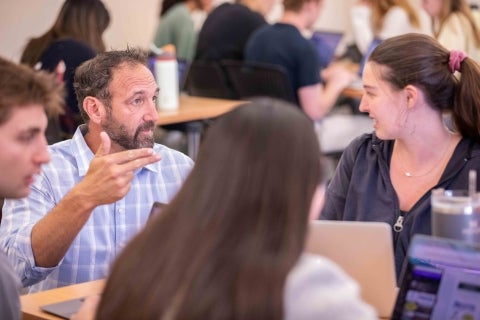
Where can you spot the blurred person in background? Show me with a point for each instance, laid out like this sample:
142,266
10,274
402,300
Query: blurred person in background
454,25
177,27
383,19
76,36
228,27
283,44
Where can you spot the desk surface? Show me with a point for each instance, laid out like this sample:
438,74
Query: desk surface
31,302
196,108
355,93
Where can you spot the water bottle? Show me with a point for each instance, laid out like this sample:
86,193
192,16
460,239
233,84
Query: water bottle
166,75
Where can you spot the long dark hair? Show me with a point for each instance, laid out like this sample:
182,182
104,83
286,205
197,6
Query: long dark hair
81,20
420,60
223,248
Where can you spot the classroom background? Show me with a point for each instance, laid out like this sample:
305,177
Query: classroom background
133,22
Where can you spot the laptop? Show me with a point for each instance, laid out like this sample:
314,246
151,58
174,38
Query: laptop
364,250
326,43
440,280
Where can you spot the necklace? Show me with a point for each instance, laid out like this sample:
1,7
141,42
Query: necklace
407,173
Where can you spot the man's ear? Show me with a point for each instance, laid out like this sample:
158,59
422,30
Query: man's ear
94,108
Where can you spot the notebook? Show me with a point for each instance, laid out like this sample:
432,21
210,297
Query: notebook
326,42
440,280
364,250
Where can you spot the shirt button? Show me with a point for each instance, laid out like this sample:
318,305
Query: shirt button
120,210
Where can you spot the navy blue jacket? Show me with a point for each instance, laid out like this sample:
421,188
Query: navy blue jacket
361,190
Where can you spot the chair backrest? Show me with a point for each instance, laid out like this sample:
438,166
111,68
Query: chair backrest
250,79
207,79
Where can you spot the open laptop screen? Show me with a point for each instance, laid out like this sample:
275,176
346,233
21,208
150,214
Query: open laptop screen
326,42
440,280
365,251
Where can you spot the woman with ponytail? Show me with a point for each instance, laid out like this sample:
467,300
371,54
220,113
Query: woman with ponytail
424,100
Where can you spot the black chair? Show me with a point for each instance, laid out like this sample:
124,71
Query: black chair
207,79
250,79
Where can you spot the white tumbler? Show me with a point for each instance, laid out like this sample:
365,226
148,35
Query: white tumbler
166,75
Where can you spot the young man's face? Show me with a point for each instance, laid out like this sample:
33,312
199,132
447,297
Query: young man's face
23,150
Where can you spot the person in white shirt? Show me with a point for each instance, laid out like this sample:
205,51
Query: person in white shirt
454,25
383,19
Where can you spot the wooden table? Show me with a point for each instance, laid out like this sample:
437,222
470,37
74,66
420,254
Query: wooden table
31,302
196,108
355,93
193,109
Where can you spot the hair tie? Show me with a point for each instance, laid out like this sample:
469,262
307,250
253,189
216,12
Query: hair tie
456,58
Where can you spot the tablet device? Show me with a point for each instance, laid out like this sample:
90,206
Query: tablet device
440,280
157,207
364,250
64,309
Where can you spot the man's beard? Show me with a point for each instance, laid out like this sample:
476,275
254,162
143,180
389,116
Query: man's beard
118,134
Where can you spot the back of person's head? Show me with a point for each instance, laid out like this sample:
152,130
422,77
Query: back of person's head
381,7
21,86
224,246
295,5
167,4
93,77
81,20
261,6
419,60
198,4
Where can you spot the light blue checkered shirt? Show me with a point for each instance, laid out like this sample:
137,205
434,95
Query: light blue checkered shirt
109,226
